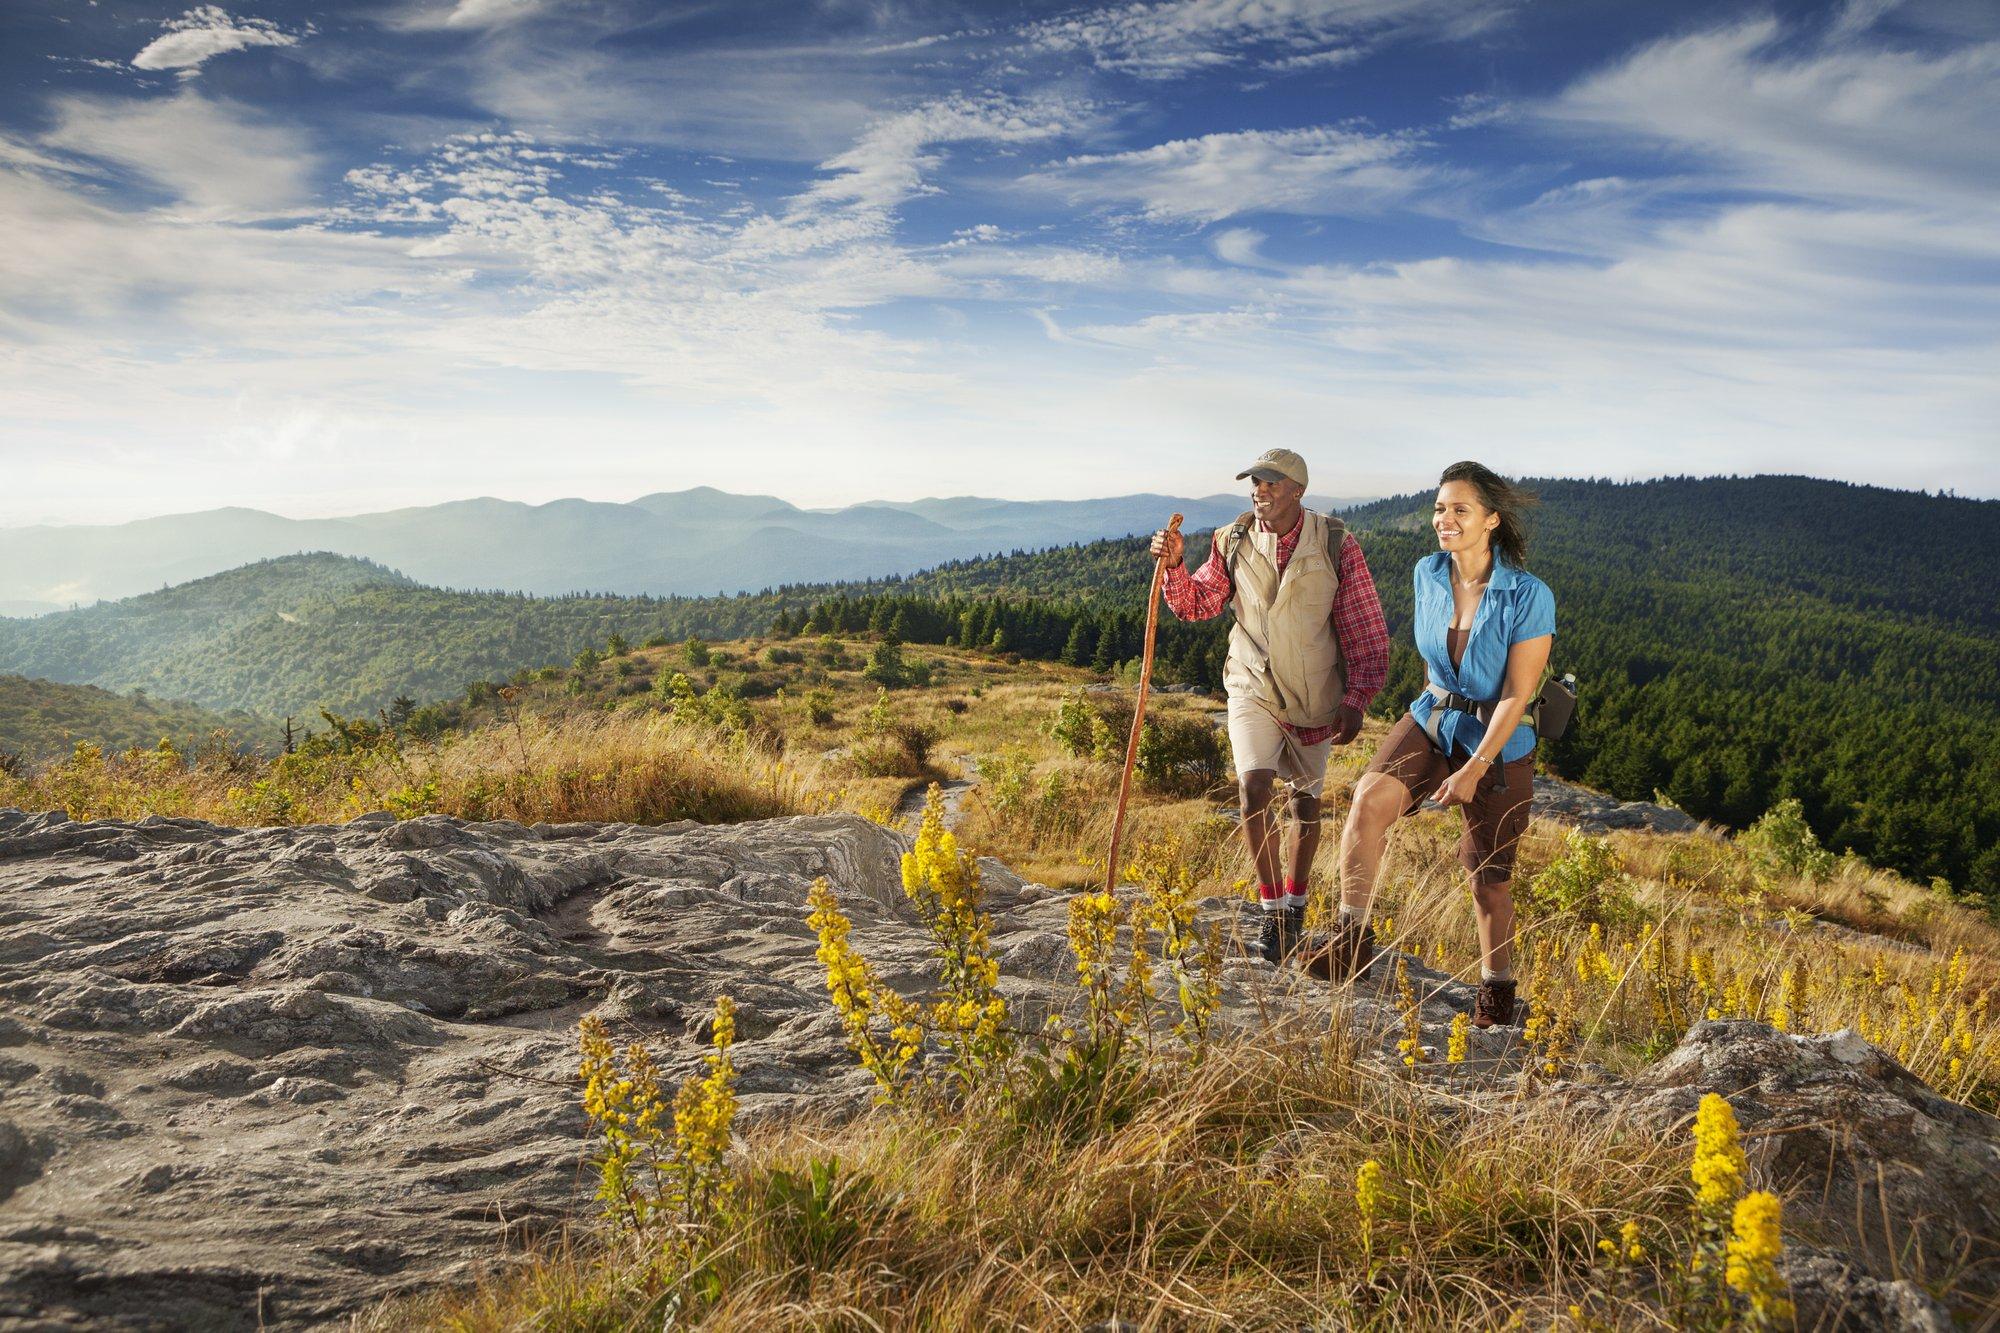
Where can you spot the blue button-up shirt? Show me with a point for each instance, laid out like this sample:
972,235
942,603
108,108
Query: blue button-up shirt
1515,606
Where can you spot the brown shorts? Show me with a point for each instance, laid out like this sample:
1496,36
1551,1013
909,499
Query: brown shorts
1495,819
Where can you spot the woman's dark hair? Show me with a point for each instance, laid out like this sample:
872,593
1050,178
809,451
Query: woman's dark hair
1504,498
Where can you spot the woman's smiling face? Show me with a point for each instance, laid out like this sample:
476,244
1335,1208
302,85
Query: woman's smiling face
1462,523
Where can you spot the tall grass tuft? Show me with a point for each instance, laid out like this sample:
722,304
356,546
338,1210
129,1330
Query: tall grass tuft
624,767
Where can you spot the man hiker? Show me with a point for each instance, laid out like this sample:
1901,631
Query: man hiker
1308,651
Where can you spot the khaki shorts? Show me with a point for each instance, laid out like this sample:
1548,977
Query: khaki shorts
1257,741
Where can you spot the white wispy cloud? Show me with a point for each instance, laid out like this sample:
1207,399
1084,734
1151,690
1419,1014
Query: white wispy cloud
1323,169
1168,39
491,13
859,190
203,33
1837,119
211,158
1781,256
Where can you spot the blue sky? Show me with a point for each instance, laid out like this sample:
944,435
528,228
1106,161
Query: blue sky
323,259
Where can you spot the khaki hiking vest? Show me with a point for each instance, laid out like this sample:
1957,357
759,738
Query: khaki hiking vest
1282,649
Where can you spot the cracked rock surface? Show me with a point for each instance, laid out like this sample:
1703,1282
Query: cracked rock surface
266,1077
279,1073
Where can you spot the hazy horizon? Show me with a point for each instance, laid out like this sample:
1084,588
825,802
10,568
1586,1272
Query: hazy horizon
1317,492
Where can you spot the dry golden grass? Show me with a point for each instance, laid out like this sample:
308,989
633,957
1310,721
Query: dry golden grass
1201,1208
1690,927
616,767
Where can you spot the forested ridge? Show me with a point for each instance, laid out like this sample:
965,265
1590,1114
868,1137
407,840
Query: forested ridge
1737,639
301,633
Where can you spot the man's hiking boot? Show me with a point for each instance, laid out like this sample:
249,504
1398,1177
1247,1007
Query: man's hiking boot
1493,1004
1271,936
1277,937
1345,953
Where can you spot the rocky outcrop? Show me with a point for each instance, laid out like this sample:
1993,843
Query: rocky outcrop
1869,1156
270,1075
266,1077
1592,810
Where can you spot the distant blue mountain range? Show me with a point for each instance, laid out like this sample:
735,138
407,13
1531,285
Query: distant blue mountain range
694,542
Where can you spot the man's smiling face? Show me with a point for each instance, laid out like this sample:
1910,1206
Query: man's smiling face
1271,498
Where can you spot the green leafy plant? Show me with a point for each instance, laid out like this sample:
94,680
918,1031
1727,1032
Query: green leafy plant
1783,841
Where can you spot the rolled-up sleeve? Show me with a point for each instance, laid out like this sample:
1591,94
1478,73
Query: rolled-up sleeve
1537,612
1203,594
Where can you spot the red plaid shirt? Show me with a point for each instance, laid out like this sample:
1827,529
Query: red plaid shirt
1357,616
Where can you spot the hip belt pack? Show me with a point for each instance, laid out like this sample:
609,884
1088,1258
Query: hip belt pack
1549,715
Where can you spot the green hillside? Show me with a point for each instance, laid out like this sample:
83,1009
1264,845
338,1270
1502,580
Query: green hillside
40,719
301,633
165,641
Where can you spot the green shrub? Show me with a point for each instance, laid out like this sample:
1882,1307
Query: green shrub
1180,755
886,666
1782,841
720,707
898,750
1005,778
1093,728
819,706
1587,881
1071,728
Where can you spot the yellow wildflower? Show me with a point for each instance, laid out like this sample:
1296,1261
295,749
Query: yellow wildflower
1368,1190
1751,1261
1719,1167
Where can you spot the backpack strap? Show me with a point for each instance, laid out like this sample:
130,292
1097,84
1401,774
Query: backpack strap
1232,537
1336,536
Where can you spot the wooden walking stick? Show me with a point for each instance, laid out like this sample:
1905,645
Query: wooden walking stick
1138,713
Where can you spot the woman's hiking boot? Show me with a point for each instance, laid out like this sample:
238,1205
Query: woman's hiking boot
1293,932
1493,1004
1344,953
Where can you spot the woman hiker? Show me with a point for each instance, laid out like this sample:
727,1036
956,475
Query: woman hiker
1484,627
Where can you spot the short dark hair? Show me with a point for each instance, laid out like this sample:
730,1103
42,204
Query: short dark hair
1504,498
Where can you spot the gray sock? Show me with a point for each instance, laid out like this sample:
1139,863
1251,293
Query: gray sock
1488,974
1353,918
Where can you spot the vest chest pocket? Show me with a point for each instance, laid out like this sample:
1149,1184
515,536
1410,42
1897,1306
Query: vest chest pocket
1307,575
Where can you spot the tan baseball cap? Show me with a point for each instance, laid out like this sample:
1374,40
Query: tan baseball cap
1275,463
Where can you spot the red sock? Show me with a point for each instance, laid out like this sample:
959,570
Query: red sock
1268,894
1292,888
